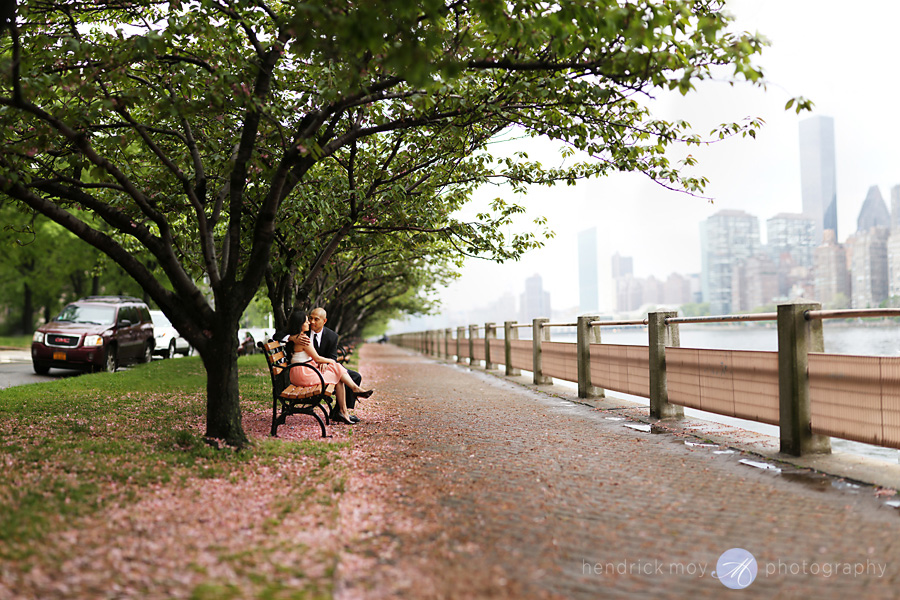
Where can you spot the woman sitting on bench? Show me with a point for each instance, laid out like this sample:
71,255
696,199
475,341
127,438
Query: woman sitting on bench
332,372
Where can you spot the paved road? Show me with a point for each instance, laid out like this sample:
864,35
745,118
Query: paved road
16,369
464,485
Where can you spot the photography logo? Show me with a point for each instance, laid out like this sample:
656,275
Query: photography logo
736,569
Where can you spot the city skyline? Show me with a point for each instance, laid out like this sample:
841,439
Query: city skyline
658,227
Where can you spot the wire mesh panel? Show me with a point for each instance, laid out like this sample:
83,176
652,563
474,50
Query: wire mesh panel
521,355
478,348
736,383
498,351
624,369
890,401
755,379
683,377
855,397
463,348
560,360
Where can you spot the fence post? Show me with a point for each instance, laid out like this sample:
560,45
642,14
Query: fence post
797,337
460,335
661,335
473,333
587,335
509,333
538,335
448,335
490,333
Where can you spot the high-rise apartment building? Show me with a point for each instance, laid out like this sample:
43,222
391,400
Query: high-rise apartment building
894,247
677,289
817,173
535,302
726,238
831,274
629,293
868,267
754,283
793,234
588,271
893,253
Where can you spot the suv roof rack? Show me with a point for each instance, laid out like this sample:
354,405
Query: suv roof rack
110,299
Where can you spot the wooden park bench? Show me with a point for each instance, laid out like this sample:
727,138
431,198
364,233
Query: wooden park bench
344,351
295,400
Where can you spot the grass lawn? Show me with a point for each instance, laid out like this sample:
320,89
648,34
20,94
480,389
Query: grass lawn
19,341
77,450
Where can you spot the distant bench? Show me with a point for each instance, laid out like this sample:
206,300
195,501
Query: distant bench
344,350
295,400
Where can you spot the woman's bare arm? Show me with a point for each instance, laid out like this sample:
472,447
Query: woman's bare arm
311,351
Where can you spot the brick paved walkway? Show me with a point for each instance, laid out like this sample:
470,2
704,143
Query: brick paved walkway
464,485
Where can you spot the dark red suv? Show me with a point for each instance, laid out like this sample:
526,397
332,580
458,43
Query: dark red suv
97,333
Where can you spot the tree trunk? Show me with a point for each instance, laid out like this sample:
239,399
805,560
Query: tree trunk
27,323
223,410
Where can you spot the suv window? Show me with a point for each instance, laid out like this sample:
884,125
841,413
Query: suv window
125,313
91,313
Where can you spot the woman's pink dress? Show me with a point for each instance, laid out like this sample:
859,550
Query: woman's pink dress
303,377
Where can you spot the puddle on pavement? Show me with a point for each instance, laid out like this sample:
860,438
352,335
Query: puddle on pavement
645,427
638,427
760,465
818,482
699,444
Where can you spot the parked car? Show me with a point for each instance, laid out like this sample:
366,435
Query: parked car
97,333
168,340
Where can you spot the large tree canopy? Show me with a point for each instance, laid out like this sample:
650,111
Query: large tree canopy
192,130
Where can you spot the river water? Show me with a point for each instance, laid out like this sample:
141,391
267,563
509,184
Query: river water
840,338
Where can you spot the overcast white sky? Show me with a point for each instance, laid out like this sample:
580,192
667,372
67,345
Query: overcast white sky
841,55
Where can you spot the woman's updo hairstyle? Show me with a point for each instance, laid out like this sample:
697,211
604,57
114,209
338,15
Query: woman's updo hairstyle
296,321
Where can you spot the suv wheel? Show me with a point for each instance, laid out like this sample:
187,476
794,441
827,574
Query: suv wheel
41,369
110,360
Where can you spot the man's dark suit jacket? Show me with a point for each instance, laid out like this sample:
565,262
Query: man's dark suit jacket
328,345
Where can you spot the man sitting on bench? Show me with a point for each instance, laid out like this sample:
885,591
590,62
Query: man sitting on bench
325,341
300,349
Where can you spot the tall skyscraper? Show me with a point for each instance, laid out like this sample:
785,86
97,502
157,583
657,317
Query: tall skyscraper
622,266
535,302
874,212
895,207
817,173
726,238
588,271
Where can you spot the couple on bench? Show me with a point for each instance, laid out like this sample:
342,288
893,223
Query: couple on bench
307,340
